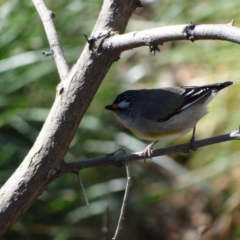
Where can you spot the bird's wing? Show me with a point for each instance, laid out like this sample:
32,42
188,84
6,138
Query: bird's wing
192,95
175,101
163,104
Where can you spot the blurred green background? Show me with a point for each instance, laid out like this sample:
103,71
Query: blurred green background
170,197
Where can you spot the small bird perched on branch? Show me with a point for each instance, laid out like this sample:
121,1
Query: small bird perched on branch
164,113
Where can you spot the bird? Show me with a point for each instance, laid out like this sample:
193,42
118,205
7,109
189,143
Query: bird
164,113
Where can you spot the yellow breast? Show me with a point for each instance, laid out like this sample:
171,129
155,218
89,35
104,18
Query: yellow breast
156,136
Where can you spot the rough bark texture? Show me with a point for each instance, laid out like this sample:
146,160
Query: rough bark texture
73,97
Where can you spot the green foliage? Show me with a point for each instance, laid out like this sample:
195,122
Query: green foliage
163,190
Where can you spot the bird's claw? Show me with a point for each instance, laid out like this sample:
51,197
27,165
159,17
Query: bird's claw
192,145
147,153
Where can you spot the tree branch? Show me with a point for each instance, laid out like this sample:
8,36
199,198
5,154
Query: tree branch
119,160
157,36
54,42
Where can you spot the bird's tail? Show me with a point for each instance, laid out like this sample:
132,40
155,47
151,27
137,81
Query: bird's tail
193,94
215,86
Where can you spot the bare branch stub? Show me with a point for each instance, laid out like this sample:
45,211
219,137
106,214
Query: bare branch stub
100,36
48,54
52,14
90,41
153,48
188,31
232,23
116,151
149,42
236,133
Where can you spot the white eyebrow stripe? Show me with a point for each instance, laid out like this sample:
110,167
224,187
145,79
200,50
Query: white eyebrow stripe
123,104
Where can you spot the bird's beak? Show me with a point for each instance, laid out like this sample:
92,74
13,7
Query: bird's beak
109,107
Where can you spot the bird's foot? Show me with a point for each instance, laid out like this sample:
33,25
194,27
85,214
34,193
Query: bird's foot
148,151
191,146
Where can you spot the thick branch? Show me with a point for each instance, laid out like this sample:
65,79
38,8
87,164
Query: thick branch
157,36
118,160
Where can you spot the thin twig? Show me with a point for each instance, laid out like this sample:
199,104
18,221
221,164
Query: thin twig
73,167
124,202
83,189
104,229
54,42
